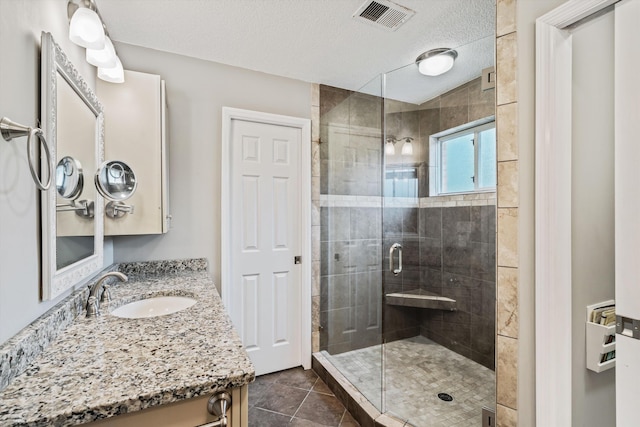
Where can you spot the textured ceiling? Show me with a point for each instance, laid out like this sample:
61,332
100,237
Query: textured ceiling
313,40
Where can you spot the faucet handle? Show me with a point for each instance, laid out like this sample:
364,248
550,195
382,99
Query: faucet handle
106,293
92,306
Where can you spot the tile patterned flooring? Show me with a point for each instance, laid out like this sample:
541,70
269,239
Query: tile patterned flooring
415,371
295,397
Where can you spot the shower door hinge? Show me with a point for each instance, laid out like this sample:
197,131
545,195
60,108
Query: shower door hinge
297,259
488,417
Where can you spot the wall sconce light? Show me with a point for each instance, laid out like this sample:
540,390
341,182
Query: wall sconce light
436,61
86,29
407,147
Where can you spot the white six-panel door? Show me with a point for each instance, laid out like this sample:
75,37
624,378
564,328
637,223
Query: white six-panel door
265,284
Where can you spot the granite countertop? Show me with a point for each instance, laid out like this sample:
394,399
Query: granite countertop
105,366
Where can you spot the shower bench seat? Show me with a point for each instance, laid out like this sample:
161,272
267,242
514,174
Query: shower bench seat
421,299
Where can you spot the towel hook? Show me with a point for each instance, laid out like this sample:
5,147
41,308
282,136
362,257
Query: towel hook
11,129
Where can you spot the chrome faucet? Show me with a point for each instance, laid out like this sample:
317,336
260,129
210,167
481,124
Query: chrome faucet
93,304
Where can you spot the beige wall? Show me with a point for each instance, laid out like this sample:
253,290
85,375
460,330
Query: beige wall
21,23
196,92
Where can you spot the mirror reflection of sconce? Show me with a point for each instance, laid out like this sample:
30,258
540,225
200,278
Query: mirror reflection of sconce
407,147
116,182
69,185
11,129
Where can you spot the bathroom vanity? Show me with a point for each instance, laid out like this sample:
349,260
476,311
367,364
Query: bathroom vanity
114,371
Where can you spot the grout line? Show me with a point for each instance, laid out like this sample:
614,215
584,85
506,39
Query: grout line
273,412
342,418
304,400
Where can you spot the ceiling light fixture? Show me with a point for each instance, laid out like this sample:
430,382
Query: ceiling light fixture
436,61
86,29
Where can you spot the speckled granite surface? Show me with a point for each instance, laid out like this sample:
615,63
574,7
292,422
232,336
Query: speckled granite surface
23,348
101,367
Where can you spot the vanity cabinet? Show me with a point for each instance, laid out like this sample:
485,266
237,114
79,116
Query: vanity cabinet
136,133
188,413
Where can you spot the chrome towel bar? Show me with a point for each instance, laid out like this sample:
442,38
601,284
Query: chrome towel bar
11,129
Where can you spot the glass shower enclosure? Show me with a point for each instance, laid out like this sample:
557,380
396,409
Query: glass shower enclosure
408,214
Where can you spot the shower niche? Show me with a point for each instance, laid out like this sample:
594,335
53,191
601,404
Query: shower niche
427,326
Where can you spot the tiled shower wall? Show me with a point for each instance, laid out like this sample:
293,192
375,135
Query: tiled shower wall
448,242
459,253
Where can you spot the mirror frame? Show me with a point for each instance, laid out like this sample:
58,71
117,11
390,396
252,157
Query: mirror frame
55,281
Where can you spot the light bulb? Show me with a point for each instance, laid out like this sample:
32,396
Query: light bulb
104,58
113,75
436,65
85,29
436,61
407,149
389,149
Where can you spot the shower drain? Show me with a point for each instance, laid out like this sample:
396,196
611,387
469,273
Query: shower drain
446,397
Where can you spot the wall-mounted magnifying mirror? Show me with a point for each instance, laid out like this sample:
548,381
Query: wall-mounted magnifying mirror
69,185
116,182
69,178
73,124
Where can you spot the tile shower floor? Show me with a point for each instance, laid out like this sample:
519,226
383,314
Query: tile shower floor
415,371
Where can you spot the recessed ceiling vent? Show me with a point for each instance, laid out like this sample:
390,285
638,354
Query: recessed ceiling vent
383,14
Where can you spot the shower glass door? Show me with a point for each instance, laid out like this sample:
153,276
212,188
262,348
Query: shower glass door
439,310
407,270
351,234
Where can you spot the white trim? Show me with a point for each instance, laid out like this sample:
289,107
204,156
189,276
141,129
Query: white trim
553,209
229,114
56,281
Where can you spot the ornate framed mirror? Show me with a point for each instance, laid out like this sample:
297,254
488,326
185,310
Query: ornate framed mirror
72,219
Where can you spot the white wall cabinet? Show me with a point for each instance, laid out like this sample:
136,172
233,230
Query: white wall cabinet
135,133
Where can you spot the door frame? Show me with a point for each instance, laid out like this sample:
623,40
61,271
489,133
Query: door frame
553,209
228,115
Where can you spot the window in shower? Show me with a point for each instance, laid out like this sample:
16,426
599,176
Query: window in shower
463,160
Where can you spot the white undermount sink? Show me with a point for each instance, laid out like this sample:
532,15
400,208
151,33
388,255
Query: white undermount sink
153,307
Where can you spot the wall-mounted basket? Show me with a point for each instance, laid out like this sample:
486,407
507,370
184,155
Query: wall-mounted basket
600,339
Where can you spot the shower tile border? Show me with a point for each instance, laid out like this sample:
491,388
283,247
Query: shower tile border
474,199
356,403
508,220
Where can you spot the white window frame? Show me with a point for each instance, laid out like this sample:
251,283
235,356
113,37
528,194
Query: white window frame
435,155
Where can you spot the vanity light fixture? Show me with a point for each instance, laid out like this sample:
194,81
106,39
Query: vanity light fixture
407,147
113,74
105,58
436,61
85,26
87,29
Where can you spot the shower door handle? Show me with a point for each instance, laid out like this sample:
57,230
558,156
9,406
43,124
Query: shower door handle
392,249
